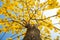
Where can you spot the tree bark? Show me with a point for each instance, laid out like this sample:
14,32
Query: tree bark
32,33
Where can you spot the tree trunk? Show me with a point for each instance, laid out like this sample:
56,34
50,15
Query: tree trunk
32,34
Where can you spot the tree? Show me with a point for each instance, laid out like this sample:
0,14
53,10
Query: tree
27,14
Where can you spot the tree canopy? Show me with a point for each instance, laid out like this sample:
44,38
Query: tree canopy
19,12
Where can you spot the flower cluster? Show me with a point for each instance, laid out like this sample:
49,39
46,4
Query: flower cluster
15,11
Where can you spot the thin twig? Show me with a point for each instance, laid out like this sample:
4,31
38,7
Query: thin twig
13,35
45,18
17,22
17,36
49,17
2,36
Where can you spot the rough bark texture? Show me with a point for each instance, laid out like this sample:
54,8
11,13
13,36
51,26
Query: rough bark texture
32,34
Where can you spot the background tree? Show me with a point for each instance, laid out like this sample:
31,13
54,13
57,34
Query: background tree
19,13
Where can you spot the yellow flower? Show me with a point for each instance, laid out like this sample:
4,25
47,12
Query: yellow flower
1,11
50,2
24,5
32,3
50,26
47,31
7,24
33,22
39,12
9,39
0,30
58,13
40,27
16,3
18,37
3,0
56,30
8,1
5,29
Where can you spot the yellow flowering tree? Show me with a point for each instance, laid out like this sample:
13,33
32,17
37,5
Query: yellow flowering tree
20,12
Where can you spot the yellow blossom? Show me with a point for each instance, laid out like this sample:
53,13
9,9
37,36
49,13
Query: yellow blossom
31,10
9,39
5,29
18,37
0,30
58,13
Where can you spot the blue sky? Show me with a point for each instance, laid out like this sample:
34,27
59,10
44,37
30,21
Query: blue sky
1,4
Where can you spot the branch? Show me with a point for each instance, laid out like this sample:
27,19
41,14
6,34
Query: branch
56,23
17,36
49,17
2,36
53,24
13,35
45,18
17,22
